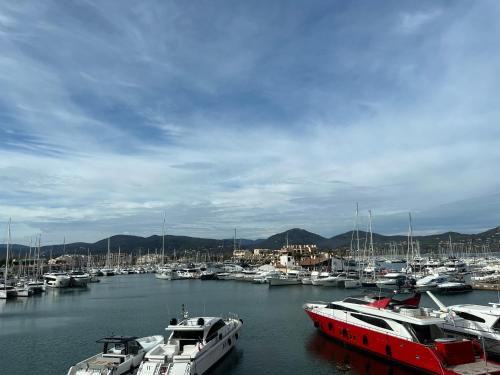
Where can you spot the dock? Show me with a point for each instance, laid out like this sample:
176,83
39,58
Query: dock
486,286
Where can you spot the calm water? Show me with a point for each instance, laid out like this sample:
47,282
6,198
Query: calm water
51,332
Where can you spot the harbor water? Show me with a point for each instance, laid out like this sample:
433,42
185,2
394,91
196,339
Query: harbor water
47,334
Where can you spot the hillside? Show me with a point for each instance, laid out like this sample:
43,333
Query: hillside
128,243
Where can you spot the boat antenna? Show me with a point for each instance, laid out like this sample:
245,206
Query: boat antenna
185,313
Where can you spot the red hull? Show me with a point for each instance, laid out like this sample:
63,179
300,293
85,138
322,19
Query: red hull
392,348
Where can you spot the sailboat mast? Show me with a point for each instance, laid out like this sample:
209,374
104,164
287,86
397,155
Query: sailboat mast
7,256
163,241
107,255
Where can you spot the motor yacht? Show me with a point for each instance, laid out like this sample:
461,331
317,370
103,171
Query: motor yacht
453,287
79,279
405,334
24,291
473,321
167,274
391,280
120,355
107,272
331,280
57,280
431,282
193,346
284,280
7,291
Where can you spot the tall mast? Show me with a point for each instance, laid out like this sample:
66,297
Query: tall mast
7,256
234,240
163,241
107,255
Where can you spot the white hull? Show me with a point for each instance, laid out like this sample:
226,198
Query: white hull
352,284
7,294
195,360
114,364
24,292
57,281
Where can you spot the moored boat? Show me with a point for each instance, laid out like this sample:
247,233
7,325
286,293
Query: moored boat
473,321
120,355
194,345
57,280
404,334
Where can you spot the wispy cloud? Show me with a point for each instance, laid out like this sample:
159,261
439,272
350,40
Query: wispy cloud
261,117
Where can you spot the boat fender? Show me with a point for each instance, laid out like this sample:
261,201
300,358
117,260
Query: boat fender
201,321
236,336
173,322
229,342
241,320
316,324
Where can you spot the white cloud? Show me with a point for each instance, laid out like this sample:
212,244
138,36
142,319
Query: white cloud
118,121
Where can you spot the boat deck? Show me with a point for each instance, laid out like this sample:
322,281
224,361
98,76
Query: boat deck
476,368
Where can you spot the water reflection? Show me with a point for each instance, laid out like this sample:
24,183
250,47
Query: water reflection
346,360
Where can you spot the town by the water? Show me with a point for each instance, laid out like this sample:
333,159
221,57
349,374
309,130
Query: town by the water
381,314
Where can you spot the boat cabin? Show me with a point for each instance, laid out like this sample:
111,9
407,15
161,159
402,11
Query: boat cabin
194,331
119,346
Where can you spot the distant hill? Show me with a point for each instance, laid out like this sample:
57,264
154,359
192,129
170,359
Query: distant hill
296,236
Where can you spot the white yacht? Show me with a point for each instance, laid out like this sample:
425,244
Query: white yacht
79,279
284,280
167,274
391,280
194,345
473,321
7,291
431,282
120,355
329,280
57,279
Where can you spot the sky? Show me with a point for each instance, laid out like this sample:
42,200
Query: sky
255,115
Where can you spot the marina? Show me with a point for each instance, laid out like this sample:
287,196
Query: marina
61,327
249,187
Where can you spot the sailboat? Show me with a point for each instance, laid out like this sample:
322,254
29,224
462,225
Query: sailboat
107,270
7,291
163,272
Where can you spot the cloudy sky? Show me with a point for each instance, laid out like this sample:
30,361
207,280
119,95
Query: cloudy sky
259,115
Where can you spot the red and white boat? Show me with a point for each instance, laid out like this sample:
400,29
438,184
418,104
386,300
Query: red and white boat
400,331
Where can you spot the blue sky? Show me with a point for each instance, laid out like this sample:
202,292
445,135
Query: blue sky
250,114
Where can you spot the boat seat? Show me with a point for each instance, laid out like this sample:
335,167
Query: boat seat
189,350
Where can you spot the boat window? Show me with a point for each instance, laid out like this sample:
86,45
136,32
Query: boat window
334,306
496,326
426,334
356,301
188,335
381,323
212,333
470,317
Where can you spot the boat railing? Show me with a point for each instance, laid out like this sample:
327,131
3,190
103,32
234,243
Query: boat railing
230,316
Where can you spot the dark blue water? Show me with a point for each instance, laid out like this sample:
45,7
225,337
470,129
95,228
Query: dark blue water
51,332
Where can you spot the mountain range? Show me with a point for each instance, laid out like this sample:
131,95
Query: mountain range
128,243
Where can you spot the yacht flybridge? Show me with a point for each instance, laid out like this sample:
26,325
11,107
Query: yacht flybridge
193,346
402,333
120,355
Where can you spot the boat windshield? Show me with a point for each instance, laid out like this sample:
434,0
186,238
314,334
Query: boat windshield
496,326
426,334
196,335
